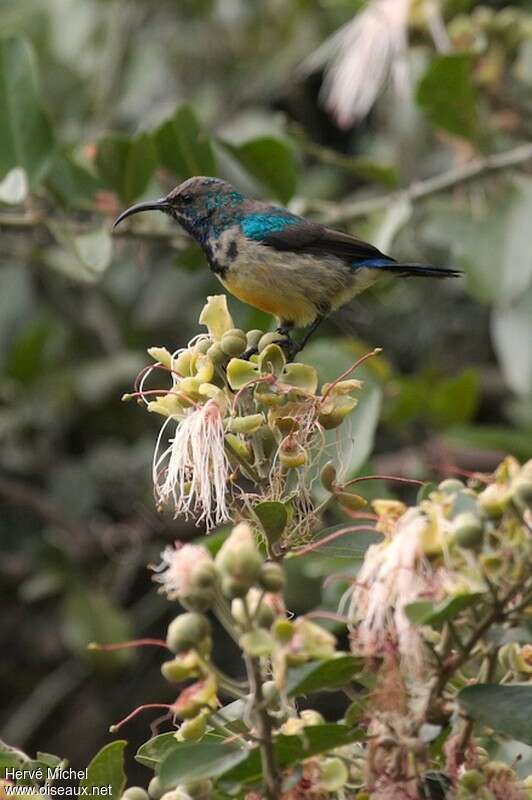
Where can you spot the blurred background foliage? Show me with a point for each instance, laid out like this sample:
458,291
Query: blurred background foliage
104,102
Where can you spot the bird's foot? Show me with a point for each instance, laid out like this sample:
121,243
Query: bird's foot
290,347
251,351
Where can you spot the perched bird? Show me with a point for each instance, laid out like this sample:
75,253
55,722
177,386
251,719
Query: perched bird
274,260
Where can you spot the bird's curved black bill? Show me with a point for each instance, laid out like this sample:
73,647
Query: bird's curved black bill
150,205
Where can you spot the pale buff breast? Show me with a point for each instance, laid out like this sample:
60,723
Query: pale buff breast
290,286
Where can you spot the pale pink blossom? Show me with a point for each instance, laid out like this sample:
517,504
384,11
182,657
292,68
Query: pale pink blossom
193,471
176,571
361,57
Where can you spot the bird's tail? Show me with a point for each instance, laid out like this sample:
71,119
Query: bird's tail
421,271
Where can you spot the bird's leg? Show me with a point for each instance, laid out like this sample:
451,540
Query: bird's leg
313,328
291,347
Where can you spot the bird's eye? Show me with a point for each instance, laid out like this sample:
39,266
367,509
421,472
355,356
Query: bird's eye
186,199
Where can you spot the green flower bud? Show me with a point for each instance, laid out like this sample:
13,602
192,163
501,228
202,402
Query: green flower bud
253,337
232,587
271,695
186,632
193,729
202,345
350,500
333,774
239,557
258,606
271,577
135,793
508,655
247,424
233,343
238,449
181,668
155,789
328,476
216,354
198,599
196,698
467,531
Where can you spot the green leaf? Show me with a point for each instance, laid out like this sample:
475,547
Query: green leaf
289,750
195,761
273,517
319,675
155,750
126,165
26,138
423,612
271,161
491,437
107,769
183,148
446,93
71,183
506,709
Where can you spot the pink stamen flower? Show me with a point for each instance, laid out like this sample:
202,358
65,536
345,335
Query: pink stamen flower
176,571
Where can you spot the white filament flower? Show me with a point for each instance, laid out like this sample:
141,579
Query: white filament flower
394,574
193,471
176,571
361,56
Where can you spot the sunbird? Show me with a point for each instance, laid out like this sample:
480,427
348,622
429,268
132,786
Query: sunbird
295,269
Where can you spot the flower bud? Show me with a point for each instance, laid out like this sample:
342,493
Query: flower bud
197,697
472,780
351,500
193,729
135,793
155,789
328,476
237,447
187,631
467,531
232,587
239,557
271,695
202,345
271,577
216,354
181,668
233,342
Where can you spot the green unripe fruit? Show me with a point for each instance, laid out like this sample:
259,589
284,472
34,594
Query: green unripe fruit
200,600
247,424
271,577
467,531
135,793
451,486
239,559
233,342
271,694
204,576
187,631
253,337
351,500
155,789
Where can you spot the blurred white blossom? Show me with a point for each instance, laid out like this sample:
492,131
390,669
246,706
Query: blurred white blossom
178,567
361,57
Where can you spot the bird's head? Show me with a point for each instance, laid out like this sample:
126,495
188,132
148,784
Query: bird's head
199,204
